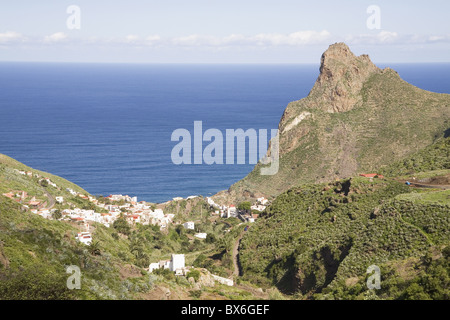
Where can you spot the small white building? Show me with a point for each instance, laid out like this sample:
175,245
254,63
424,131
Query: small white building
164,264
258,208
59,199
153,266
200,235
157,214
84,237
230,212
177,262
190,225
262,200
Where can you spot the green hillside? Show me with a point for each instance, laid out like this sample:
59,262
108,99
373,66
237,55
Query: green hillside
316,238
316,241
432,158
11,179
35,252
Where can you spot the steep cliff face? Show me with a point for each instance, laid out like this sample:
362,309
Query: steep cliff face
341,78
356,118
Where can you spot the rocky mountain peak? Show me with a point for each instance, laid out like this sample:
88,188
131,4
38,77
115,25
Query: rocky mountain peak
342,75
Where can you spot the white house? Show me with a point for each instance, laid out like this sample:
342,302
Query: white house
190,225
262,200
200,235
165,264
153,266
84,237
71,191
59,199
230,212
258,207
157,214
177,262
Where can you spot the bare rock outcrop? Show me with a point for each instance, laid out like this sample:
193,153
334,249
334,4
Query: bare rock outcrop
342,75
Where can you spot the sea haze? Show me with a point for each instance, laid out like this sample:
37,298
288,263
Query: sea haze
107,127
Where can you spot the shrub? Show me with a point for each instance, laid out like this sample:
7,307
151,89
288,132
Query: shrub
193,274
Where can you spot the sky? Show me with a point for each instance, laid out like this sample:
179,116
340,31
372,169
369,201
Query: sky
231,31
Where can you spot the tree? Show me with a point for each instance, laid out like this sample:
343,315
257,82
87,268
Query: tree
122,226
89,206
198,262
94,248
57,214
193,274
180,229
210,238
244,206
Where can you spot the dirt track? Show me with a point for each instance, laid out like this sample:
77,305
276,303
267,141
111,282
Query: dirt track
237,269
427,185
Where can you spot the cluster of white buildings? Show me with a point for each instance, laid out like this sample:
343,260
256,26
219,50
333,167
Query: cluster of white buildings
119,197
222,210
30,174
71,191
82,215
132,211
25,173
231,211
180,198
260,204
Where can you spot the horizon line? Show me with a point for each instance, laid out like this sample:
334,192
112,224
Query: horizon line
208,63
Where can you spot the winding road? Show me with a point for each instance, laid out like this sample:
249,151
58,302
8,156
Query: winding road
51,200
424,184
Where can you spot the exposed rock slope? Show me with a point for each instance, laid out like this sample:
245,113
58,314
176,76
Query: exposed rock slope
356,118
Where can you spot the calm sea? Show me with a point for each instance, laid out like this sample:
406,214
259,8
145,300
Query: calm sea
107,127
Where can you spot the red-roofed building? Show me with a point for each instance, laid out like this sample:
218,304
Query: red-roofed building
9,195
34,203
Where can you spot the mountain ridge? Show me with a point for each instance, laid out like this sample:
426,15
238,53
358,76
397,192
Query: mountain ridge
356,118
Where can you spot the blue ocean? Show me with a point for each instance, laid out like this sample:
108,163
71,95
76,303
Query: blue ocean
108,127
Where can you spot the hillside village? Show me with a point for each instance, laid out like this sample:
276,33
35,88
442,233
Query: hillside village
107,210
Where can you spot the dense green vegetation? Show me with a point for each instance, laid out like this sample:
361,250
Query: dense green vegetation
315,238
433,157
